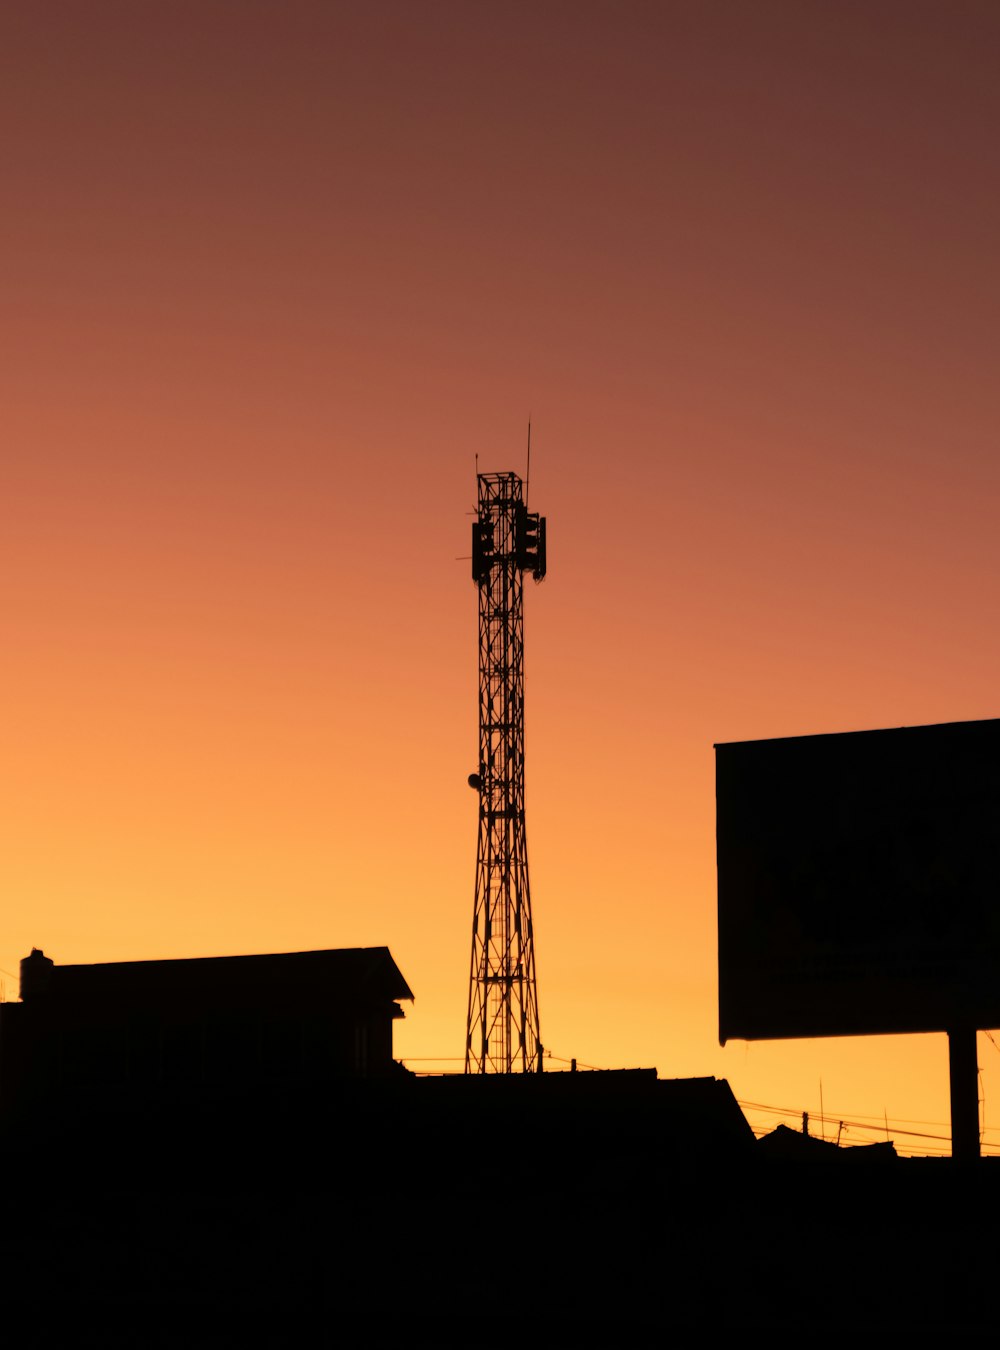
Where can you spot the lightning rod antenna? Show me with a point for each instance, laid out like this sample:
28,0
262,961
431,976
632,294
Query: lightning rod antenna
527,472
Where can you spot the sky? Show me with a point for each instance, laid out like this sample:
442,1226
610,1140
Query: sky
273,277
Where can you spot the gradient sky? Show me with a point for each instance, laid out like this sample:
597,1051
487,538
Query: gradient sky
273,276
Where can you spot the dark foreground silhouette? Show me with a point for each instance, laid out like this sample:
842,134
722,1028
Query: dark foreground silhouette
468,1211
246,1163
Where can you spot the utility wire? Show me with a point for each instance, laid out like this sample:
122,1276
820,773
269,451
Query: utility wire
851,1124
859,1122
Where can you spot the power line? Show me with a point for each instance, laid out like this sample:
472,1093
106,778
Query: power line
453,1059
859,1121
859,1124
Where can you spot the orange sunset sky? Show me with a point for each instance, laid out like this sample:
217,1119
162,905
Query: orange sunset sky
273,275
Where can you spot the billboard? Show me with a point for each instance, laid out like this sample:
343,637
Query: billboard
859,882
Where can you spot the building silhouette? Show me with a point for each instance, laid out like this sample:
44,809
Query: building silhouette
128,1034
206,1152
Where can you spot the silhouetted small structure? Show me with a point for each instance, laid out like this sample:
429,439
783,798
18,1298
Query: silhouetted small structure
207,1029
785,1144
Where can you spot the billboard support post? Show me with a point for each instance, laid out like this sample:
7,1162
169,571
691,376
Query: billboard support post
963,1071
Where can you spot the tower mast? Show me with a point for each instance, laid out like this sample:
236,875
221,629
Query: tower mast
502,1034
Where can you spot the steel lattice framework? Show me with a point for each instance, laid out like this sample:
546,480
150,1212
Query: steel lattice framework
502,1029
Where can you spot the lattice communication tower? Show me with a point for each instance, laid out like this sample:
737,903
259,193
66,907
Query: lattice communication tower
502,1029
